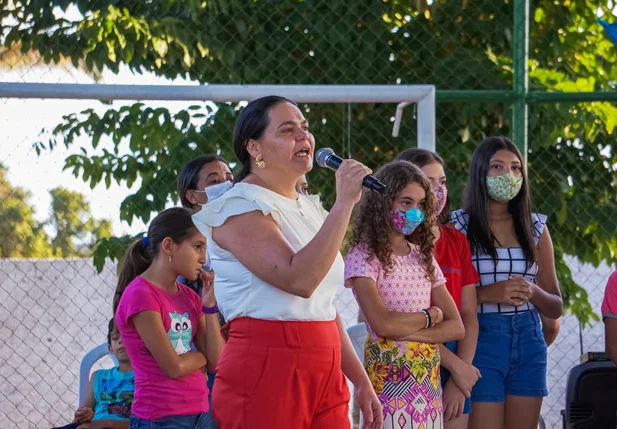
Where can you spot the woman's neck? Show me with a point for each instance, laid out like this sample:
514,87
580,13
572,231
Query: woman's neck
160,275
283,186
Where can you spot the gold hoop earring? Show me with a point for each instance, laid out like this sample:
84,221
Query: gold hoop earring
259,162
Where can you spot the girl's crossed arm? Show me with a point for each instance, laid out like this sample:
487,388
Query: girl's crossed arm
399,325
151,330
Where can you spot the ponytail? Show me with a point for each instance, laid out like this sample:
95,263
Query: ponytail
135,260
175,223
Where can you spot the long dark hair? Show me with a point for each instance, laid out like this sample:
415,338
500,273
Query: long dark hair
175,223
372,224
189,176
476,203
251,124
421,158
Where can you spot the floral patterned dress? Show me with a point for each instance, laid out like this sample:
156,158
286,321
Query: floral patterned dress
404,374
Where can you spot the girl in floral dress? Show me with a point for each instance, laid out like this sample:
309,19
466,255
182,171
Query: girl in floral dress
401,292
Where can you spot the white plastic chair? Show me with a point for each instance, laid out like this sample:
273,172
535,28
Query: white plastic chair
357,335
88,361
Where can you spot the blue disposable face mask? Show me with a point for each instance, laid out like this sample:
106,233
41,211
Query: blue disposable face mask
407,221
215,191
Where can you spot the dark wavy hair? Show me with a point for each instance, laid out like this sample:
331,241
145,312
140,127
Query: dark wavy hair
373,225
251,124
421,158
476,203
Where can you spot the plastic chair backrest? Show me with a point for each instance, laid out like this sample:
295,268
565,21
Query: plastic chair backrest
88,361
357,335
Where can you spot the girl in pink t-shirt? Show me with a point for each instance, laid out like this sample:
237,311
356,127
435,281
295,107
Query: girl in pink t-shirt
163,326
401,292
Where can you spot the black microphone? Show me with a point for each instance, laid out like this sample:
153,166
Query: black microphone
326,158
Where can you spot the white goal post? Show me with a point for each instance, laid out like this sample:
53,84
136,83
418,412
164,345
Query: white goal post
422,95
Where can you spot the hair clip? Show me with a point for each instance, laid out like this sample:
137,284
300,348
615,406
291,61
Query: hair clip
145,241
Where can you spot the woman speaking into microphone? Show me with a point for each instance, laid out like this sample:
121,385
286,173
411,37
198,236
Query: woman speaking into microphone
278,266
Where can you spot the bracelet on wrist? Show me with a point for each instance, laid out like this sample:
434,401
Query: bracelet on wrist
210,310
434,322
428,318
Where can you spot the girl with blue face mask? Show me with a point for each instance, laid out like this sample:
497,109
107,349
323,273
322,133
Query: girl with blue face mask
401,291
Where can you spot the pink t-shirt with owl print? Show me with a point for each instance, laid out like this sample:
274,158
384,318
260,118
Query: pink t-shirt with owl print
156,395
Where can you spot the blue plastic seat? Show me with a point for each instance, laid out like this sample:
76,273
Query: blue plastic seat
88,361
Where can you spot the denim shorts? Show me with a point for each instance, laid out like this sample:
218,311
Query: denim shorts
445,375
512,357
191,421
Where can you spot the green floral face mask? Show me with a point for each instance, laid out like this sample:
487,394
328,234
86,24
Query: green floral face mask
504,188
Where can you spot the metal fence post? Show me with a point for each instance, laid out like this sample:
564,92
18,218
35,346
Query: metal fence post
520,61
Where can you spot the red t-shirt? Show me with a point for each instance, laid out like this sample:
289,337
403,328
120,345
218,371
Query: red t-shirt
609,304
454,258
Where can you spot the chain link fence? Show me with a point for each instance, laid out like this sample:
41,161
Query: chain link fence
54,311
54,305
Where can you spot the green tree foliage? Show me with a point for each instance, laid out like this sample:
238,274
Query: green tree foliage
22,235
454,44
74,227
74,230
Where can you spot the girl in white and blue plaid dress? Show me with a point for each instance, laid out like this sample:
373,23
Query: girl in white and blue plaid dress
513,254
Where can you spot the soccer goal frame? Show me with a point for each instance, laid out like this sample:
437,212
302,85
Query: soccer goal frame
403,95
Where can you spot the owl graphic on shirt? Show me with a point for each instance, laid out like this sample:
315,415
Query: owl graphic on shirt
180,332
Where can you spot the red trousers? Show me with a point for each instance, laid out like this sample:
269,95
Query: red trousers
281,375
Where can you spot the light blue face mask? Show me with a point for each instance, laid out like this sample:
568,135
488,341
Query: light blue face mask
215,191
407,221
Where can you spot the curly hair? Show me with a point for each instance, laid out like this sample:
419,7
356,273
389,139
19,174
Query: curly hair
422,158
372,225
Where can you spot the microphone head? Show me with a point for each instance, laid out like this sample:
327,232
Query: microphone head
322,155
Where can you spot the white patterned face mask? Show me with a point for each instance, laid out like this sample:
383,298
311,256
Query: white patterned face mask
504,188
215,191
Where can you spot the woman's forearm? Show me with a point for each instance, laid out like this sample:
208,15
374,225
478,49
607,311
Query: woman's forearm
319,253
269,256
486,294
550,305
351,365
214,341
398,325
466,348
448,359
448,330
